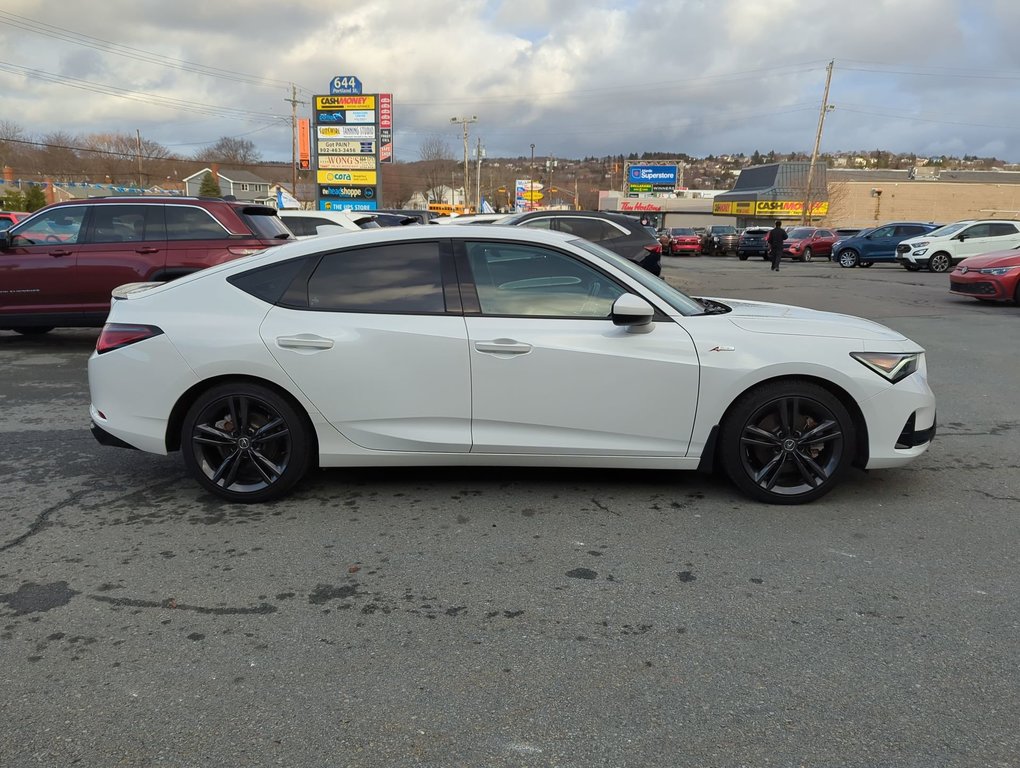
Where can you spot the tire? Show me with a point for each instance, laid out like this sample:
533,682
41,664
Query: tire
763,447
807,255
940,262
866,264
848,258
34,330
910,267
1016,294
245,443
742,256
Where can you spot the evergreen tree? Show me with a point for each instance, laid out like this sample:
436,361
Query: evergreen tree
35,198
209,186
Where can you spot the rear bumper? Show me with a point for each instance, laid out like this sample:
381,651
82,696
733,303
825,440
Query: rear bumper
105,438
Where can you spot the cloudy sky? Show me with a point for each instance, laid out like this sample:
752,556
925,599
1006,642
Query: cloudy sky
575,78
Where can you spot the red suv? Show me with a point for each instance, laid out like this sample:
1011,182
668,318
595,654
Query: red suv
60,264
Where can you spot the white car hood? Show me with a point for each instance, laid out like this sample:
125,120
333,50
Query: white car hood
782,319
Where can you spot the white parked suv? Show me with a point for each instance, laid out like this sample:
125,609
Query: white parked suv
941,249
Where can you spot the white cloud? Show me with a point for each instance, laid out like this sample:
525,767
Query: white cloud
575,77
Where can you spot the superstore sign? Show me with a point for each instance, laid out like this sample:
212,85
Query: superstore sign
353,134
657,175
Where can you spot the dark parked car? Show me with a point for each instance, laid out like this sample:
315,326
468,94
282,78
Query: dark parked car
719,240
61,263
752,243
877,244
422,217
618,232
804,243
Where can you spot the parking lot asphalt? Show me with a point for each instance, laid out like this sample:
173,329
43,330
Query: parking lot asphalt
518,617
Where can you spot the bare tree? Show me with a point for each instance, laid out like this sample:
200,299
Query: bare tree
231,151
436,164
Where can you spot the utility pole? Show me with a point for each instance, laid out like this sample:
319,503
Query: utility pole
480,153
806,214
465,121
531,181
294,101
138,145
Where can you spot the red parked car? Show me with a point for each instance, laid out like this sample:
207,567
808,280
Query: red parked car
804,243
683,241
9,218
60,264
989,277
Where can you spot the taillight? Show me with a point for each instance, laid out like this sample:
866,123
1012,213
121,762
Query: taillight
654,249
117,335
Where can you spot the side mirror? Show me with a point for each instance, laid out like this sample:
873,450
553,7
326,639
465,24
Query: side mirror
961,237
634,313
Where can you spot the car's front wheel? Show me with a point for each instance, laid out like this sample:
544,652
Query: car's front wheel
848,258
807,255
245,442
940,262
787,442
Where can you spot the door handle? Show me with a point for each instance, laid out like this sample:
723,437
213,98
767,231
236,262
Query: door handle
304,341
56,254
503,347
147,250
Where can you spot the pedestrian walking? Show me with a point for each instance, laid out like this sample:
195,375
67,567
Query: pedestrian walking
775,239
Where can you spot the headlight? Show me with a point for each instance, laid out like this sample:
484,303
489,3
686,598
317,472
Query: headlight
920,244
893,366
997,270
920,252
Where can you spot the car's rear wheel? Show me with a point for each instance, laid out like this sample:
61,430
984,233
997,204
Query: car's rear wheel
807,255
1016,294
245,442
34,330
787,442
940,262
848,258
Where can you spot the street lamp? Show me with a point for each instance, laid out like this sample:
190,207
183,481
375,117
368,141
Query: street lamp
465,121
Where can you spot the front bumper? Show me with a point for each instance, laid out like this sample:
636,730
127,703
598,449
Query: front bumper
980,288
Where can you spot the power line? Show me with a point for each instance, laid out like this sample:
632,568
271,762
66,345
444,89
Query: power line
59,33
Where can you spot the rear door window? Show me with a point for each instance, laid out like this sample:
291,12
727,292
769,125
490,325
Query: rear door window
400,278
189,222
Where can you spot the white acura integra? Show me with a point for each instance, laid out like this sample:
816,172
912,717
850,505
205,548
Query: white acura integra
482,345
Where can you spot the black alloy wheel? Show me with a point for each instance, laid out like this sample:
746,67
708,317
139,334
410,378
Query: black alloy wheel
940,262
787,442
245,443
848,258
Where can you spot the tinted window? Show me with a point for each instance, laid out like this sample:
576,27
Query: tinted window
301,225
978,230
526,280
186,222
265,223
402,277
909,230
884,232
1003,229
541,223
824,233
60,225
268,283
127,223
595,230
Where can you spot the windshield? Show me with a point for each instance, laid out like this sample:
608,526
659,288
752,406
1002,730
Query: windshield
724,230
681,302
948,229
800,233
